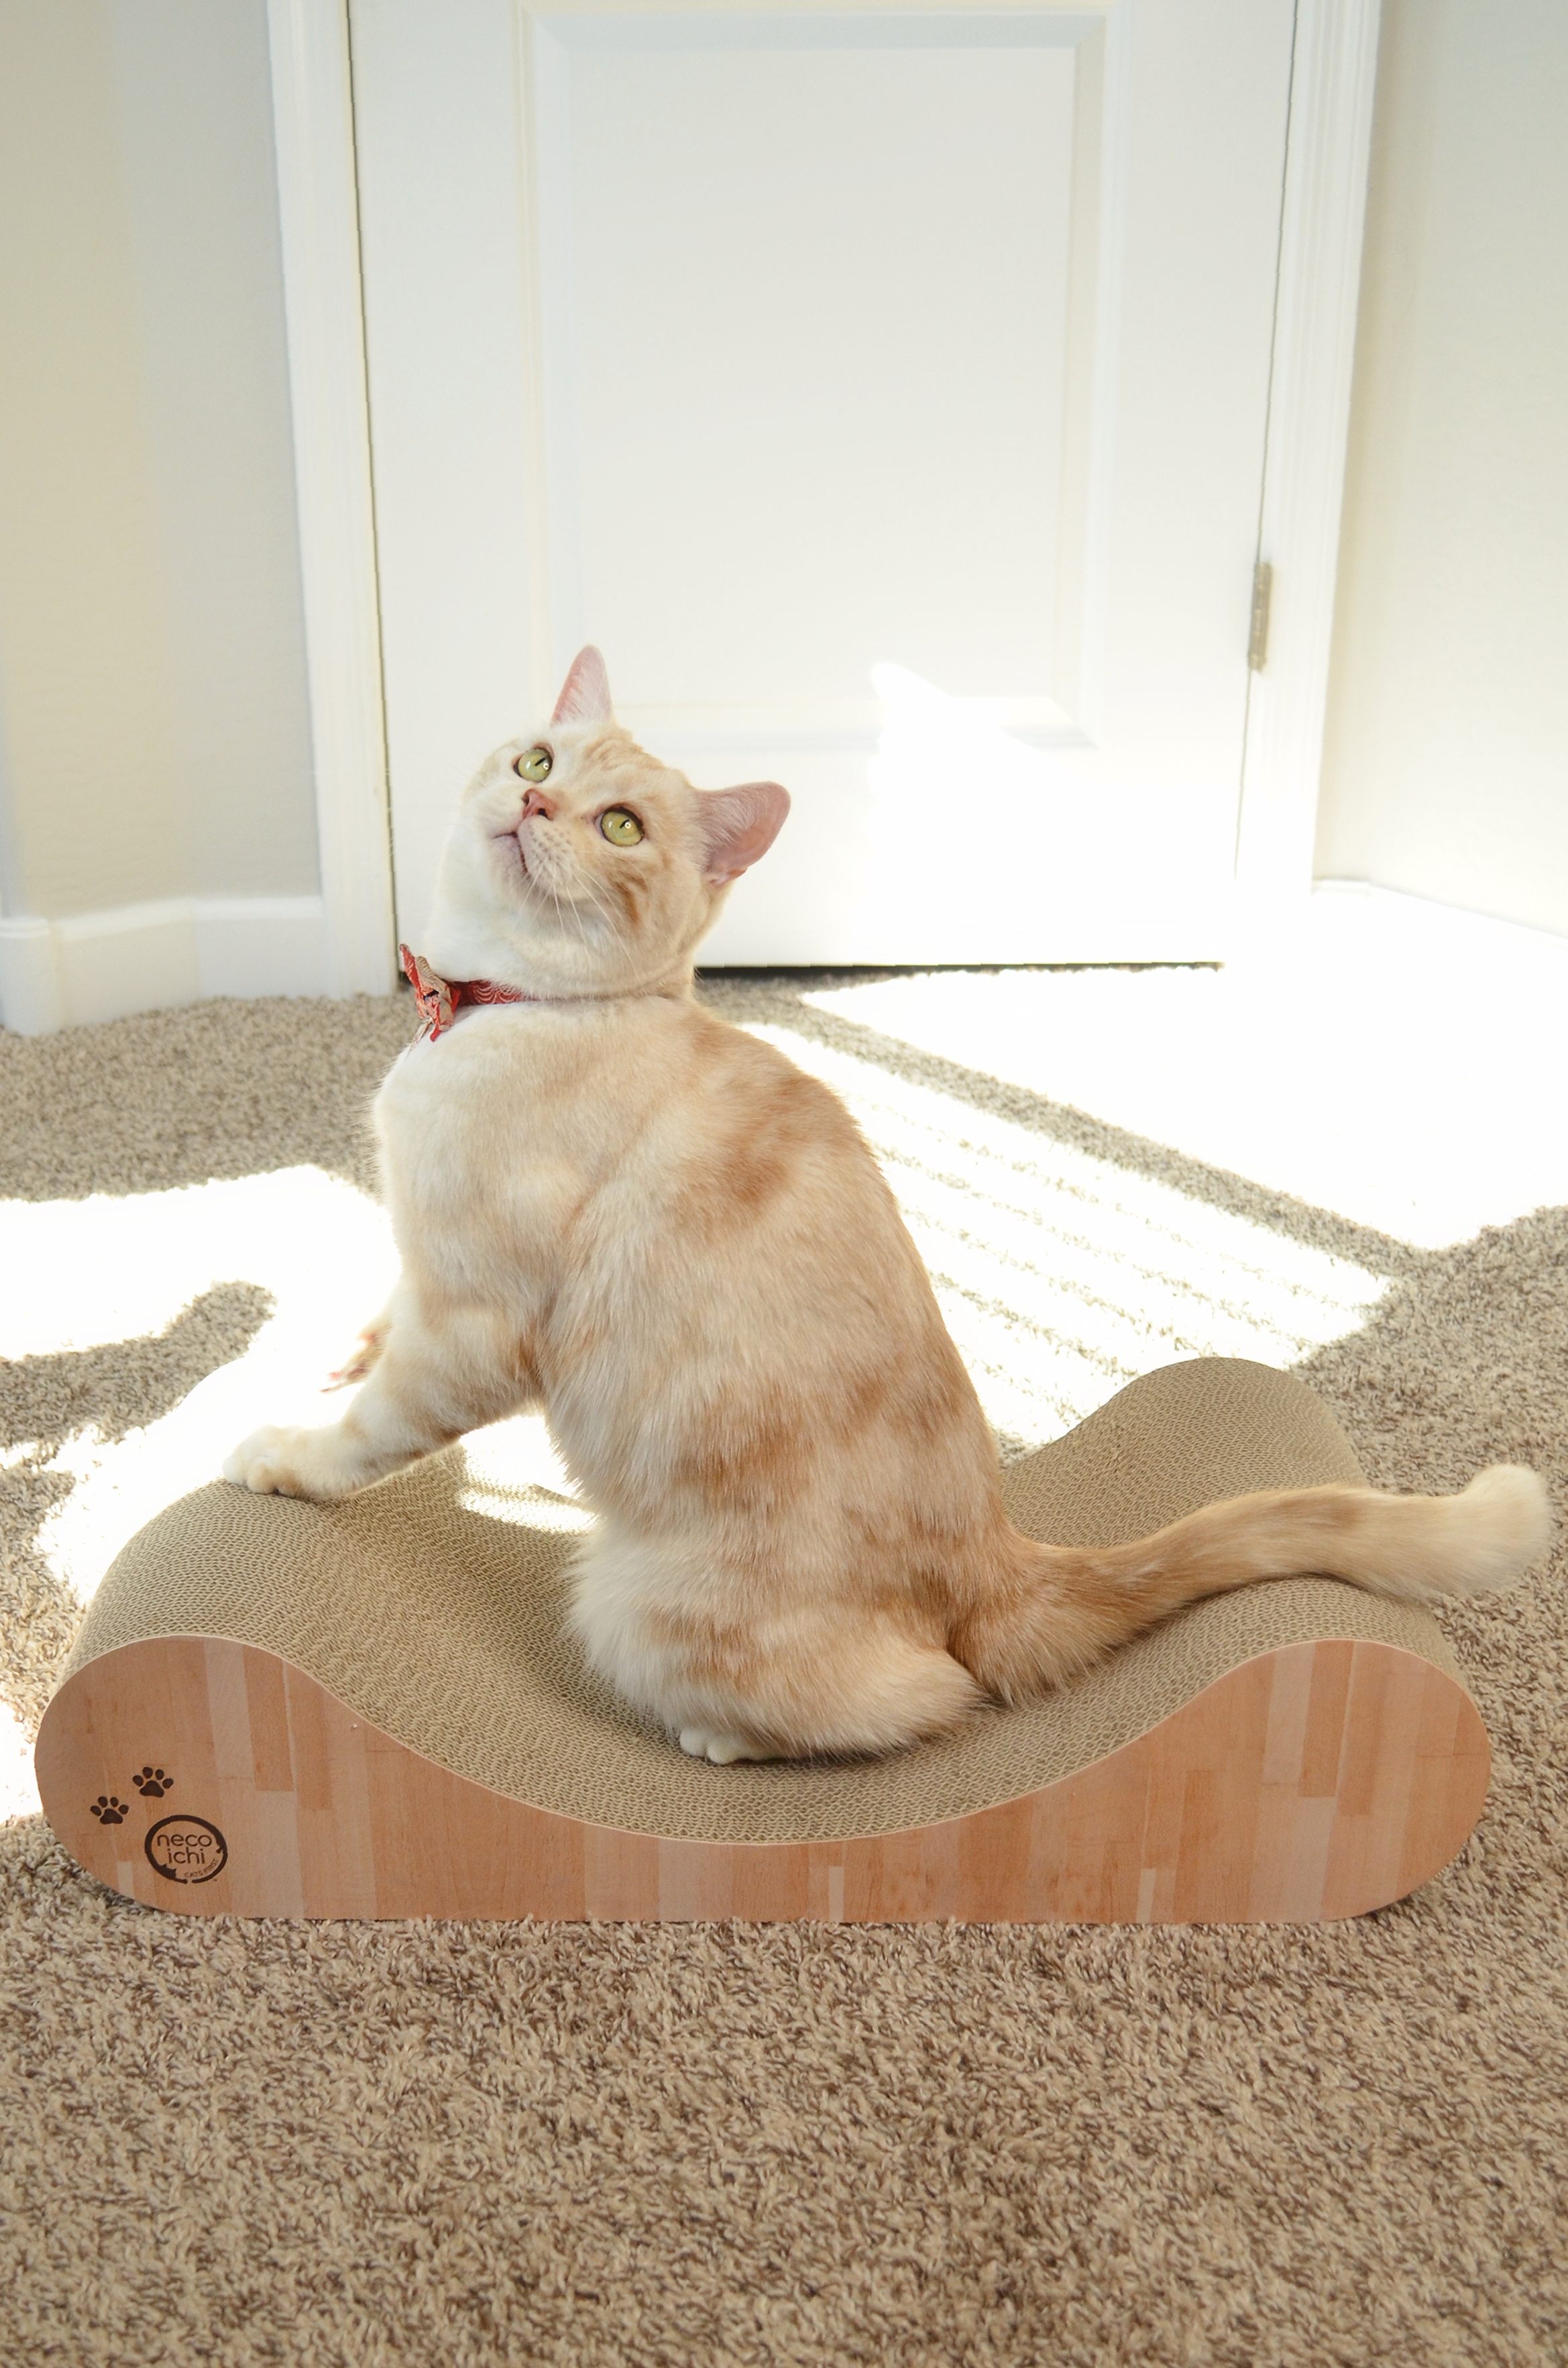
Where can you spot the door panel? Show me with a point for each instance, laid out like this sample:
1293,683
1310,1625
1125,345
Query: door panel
885,394
818,402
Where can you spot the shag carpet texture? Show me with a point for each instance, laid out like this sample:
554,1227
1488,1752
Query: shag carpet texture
388,2146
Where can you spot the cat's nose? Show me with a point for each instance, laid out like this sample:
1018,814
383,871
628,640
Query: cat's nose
535,802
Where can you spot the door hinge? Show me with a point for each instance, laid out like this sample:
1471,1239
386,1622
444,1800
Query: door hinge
1257,639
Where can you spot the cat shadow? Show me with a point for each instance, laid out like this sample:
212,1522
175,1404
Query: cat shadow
111,1390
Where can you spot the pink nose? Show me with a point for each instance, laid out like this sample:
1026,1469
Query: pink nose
535,802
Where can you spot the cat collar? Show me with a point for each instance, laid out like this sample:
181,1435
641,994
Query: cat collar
439,998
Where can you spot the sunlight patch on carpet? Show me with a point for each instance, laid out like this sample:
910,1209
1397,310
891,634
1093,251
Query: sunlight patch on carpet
107,1268
1060,1276
1063,1277
18,1786
1374,1068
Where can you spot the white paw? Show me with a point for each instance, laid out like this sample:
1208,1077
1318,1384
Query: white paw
269,1461
703,1744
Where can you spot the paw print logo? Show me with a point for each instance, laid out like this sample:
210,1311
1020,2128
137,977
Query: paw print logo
110,1809
152,1783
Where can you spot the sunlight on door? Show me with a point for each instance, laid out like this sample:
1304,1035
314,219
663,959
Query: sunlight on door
962,806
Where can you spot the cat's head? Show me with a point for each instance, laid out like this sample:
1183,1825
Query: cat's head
578,864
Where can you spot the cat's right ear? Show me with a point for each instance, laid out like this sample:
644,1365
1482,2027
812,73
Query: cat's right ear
585,694
738,827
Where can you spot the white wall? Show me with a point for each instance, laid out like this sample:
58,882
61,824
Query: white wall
1446,768
153,708
157,826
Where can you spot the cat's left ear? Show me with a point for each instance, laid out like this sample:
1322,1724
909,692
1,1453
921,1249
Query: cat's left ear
739,826
585,694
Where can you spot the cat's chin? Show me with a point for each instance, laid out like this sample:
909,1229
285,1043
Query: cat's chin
464,941
506,853
500,945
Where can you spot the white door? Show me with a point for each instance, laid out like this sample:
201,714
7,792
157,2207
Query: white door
885,393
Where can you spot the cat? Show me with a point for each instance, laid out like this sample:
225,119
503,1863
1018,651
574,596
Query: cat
612,1204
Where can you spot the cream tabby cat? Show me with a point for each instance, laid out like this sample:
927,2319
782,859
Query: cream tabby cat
611,1204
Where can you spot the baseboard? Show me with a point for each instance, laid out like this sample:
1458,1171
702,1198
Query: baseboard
30,987
147,957
1417,926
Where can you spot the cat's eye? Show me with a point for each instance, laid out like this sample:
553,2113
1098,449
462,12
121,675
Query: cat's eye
535,765
621,829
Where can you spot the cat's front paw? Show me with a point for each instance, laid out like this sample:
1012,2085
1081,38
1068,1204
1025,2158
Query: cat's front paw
273,1461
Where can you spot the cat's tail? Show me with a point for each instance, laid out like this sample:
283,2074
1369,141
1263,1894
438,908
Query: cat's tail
1055,1610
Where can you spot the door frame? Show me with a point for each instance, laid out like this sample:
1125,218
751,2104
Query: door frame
1328,149
1328,145
313,112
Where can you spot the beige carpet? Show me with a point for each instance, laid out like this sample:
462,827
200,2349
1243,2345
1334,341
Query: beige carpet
418,2145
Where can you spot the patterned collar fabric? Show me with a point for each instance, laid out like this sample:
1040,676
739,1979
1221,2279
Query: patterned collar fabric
439,999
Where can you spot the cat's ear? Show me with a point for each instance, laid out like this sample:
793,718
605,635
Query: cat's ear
739,826
585,694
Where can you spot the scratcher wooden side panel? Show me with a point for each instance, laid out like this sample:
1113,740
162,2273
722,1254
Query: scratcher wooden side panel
1312,1781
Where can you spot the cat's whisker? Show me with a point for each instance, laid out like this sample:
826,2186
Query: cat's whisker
613,921
571,906
582,930
560,909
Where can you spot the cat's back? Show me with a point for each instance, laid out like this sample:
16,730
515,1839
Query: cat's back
652,1099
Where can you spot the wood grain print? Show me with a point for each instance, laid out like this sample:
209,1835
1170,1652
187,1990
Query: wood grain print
1315,1780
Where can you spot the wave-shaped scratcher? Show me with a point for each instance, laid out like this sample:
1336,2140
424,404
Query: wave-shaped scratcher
280,1709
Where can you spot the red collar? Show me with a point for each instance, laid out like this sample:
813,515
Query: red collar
439,998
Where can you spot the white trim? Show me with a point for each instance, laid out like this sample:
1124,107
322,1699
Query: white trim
31,999
1401,924
761,24
133,958
1333,78
313,130
1094,592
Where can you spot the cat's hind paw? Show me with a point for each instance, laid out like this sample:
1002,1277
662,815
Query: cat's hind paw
700,1743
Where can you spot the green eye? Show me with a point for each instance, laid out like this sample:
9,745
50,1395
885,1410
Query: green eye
535,765
623,828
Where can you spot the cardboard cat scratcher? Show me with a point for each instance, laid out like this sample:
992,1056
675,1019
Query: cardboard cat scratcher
373,1710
